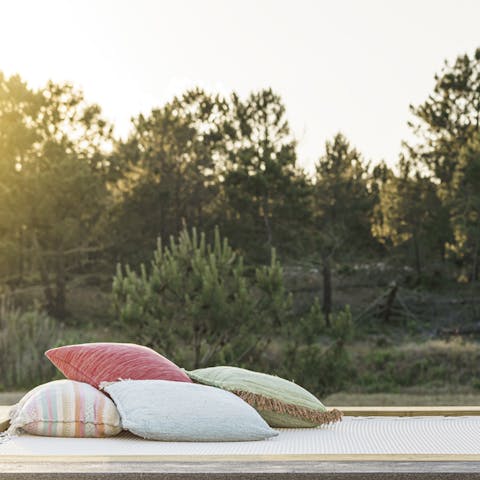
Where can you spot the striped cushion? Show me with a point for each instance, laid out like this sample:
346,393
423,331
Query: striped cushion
95,363
65,408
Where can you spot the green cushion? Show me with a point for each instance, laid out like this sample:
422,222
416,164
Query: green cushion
281,403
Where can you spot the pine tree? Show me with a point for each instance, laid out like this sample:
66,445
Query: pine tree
342,208
167,172
267,194
447,125
449,117
409,214
199,303
342,200
464,202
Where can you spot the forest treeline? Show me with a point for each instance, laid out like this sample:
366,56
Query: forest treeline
74,198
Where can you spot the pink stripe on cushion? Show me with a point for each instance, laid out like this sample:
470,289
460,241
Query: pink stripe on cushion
50,412
76,415
67,408
99,407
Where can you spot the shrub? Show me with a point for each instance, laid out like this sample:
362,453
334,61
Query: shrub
315,355
427,364
24,337
198,303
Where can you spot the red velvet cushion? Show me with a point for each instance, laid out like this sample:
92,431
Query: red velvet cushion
94,363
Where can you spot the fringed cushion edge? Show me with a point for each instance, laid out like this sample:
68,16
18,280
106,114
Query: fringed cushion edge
13,430
260,402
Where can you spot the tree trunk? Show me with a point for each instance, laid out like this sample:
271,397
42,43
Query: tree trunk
327,290
389,303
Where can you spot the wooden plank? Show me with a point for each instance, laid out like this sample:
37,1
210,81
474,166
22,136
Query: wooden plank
280,458
242,471
410,411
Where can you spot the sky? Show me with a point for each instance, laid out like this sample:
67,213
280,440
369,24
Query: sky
353,66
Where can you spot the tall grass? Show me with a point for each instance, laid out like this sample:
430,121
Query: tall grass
432,364
24,337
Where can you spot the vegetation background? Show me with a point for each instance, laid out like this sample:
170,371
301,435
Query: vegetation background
199,235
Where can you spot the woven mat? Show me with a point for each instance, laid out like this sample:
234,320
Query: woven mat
352,436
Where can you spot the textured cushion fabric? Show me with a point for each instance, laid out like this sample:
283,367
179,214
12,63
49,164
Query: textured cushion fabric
94,363
178,412
282,403
65,408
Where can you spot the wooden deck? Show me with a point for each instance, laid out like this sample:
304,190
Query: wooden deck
275,470
410,411
275,467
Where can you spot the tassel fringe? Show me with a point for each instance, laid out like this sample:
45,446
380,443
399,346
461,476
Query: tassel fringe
5,437
12,431
264,403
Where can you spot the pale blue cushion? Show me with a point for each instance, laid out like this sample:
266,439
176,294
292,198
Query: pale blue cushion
180,411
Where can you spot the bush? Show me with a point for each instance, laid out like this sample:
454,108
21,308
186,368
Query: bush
315,355
199,304
428,364
24,337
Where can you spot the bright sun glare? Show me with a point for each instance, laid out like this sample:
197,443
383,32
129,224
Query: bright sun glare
353,66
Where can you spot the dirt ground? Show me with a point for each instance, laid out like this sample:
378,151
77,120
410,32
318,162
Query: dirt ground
400,399
355,399
9,398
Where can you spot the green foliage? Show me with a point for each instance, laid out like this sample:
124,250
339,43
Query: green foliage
199,304
166,172
208,160
428,364
446,120
24,337
342,206
52,183
321,370
464,202
268,194
74,202
342,200
315,354
447,126
409,212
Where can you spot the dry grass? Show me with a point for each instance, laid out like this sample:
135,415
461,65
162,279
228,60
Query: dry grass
9,398
432,366
357,399
24,337
402,399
